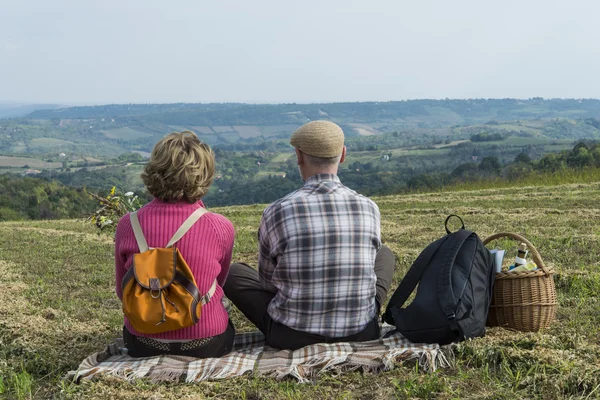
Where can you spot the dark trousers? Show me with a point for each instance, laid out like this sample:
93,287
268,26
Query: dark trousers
246,293
216,346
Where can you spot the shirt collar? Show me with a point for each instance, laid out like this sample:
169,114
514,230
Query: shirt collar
322,178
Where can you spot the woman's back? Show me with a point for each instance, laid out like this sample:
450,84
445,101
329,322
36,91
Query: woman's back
206,247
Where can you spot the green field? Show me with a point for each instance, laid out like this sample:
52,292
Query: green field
519,127
49,143
281,157
274,166
272,130
247,131
125,134
221,129
58,305
21,162
526,141
202,130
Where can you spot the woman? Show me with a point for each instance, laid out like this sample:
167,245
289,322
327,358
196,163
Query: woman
179,172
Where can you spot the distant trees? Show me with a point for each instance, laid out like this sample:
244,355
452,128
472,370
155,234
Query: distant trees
595,122
467,171
490,165
581,156
129,157
487,137
517,170
523,158
250,192
428,181
33,198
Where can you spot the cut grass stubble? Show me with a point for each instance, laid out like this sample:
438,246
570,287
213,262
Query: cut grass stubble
57,305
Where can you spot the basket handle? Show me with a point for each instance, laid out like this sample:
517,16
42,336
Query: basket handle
536,255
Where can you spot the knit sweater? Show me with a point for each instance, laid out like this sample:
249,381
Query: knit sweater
206,247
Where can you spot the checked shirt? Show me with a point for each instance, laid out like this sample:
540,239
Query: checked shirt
317,249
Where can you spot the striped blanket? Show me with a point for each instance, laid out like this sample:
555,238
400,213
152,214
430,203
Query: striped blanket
250,355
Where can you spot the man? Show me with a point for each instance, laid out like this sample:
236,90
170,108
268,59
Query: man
322,271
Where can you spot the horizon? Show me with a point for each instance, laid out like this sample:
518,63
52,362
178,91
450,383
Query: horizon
31,103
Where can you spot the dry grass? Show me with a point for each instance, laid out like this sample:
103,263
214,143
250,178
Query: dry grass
57,305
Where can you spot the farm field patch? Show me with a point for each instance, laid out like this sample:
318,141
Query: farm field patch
21,162
125,134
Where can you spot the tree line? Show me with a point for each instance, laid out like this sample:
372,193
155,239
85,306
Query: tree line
39,198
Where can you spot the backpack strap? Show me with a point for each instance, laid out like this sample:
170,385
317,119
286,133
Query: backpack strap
193,289
206,298
412,278
137,231
445,291
189,222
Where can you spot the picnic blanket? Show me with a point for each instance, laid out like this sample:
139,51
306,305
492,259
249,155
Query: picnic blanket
250,355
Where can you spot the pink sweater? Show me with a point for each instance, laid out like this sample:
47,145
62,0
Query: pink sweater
206,247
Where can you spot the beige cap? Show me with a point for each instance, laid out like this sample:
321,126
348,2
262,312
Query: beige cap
319,138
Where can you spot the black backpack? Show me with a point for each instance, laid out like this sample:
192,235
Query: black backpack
456,277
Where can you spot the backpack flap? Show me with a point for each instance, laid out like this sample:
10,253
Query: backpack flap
149,301
155,269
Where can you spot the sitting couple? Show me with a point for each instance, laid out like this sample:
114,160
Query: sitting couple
322,275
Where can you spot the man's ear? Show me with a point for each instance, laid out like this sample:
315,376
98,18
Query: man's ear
299,156
343,157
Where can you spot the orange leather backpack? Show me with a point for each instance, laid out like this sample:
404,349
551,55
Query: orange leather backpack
160,293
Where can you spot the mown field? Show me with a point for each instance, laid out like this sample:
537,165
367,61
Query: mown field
57,305
22,162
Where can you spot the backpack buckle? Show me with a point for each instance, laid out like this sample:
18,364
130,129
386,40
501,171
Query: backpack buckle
205,299
155,288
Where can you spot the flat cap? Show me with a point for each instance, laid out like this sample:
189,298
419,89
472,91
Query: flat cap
319,138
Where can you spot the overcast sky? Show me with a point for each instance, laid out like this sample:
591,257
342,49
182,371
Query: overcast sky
272,51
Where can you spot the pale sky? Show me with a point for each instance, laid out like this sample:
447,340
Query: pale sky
272,51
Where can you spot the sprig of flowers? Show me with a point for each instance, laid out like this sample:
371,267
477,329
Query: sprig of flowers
113,207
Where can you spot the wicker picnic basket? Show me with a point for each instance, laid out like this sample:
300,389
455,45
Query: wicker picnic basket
525,301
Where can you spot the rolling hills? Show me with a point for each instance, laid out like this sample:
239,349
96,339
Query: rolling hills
136,127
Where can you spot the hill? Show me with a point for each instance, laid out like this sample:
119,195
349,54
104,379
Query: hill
15,110
410,112
136,127
58,305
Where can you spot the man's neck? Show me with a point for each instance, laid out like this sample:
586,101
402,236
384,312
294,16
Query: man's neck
308,172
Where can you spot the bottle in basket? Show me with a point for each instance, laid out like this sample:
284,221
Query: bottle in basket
521,254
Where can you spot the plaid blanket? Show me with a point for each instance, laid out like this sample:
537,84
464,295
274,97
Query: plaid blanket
250,355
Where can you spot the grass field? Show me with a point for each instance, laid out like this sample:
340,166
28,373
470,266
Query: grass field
249,131
125,134
49,143
525,141
57,305
274,166
519,127
203,130
221,129
20,162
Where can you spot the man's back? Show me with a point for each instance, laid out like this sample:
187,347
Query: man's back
317,251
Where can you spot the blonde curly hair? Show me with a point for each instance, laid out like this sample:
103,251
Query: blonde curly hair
181,167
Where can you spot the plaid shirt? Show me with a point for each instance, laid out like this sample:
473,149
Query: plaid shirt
317,251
